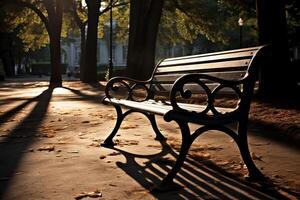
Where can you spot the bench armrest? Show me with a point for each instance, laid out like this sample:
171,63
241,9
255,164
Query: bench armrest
199,79
126,88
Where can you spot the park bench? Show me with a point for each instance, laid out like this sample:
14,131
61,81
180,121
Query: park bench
230,73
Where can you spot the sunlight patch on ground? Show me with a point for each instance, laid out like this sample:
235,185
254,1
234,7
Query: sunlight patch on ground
61,91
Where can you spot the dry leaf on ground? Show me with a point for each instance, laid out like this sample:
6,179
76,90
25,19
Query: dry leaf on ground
102,157
46,148
95,194
128,126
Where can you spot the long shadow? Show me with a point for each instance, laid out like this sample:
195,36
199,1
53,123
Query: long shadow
20,139
92,98
7,115
199,181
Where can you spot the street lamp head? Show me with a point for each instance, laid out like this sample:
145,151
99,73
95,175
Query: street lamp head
241,22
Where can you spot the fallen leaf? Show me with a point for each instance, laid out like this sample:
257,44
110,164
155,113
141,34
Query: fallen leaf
46,135
114,154
156,146
127,126
94,144
214,148
94,194
46,148
126,142
73,151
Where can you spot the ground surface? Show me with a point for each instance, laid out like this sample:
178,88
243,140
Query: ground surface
49,149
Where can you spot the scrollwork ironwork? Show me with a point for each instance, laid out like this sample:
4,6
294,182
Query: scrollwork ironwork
128,84
179,87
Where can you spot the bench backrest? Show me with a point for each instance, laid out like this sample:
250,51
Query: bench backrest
228,65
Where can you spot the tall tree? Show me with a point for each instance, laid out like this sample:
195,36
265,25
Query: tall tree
86,16
90,71
79,13
144,20
272,28
50,12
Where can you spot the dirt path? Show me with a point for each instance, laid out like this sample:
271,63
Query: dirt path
49,149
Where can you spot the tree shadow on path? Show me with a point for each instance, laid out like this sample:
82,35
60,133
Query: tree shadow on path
92,98
199,181
19,140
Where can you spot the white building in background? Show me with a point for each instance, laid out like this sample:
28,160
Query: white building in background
71,54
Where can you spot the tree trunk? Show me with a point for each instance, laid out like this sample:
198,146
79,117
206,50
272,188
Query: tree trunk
275,74
55,56
90,72
82,53
144,20
54,26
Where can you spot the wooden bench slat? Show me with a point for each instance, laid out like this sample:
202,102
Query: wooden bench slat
159,107
253,49
201,59
170,78
240,64
196,89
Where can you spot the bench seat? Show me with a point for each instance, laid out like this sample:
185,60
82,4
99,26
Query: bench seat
162,108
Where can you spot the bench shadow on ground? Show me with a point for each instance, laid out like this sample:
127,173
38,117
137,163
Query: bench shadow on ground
21,137
196,180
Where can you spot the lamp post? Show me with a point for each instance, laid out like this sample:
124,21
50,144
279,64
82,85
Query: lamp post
110,65
241,24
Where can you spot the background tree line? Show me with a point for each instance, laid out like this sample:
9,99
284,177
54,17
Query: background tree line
211,24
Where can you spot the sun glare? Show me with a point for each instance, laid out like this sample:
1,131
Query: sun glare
61,91
83,3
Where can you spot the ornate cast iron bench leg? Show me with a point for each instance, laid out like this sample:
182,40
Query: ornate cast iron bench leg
253,172
187,140
120,116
